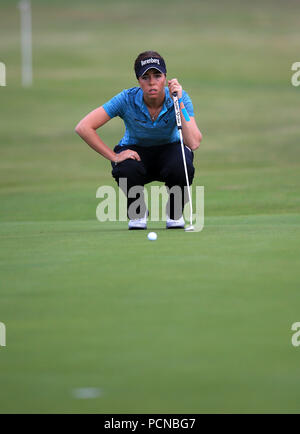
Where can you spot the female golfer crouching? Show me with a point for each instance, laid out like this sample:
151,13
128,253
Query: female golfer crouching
150,148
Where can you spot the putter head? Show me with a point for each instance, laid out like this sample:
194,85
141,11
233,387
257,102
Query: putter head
189,228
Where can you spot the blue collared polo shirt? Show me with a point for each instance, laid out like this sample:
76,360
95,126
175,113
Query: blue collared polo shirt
140,130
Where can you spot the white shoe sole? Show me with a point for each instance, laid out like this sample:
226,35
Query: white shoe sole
175,224
137,228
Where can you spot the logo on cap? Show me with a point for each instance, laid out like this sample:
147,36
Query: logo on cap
151,60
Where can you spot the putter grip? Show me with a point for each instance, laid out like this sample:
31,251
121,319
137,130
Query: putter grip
174,93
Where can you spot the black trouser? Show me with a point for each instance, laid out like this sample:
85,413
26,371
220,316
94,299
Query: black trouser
158,163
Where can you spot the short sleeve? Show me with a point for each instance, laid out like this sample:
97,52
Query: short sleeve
188,103
117,105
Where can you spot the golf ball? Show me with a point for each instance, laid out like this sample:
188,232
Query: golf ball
152,236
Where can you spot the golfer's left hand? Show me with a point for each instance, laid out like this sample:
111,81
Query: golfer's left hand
174,86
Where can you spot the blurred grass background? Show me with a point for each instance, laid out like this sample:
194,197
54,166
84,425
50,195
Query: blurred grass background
198,323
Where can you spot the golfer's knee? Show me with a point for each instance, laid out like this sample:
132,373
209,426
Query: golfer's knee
132,170
174,174
191,172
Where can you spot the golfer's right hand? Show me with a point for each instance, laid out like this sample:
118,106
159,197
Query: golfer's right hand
127,155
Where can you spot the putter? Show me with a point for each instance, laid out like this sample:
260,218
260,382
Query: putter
189,228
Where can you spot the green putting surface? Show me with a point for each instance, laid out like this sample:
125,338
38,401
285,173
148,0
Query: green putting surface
193,322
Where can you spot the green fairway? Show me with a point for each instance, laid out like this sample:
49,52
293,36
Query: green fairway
194,322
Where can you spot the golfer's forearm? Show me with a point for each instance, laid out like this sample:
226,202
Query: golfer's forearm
191,135
90,136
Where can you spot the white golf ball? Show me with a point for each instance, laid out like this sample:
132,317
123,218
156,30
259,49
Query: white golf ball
152,236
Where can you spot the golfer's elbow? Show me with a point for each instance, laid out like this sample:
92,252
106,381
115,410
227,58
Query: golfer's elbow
78,129
195,143
81,129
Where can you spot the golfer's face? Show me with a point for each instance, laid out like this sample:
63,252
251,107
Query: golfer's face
153,83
